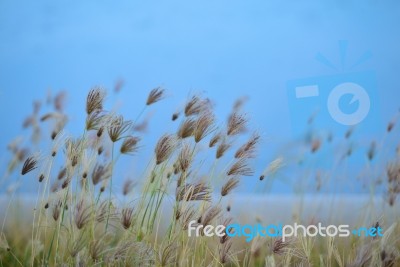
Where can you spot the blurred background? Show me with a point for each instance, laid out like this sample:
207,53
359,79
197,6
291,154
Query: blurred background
223,50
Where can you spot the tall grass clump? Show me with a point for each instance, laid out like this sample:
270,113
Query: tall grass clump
79,218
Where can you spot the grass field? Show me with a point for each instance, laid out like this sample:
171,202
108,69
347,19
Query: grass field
77,218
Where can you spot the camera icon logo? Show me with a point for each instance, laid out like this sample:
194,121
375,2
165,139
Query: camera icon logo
359,94
340,100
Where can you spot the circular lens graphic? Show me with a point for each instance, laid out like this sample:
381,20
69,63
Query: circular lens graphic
359,94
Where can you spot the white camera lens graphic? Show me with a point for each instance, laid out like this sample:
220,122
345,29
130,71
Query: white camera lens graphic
359,94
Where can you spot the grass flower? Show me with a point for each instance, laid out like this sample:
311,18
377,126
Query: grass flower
29,165
196,105
315,145
100,173
185,158
117,128
3,242
94,100
127,217
187,128
155,95
62,173
41,177
222,148
231,184
187,216
193,192
390,126
240,168
273,167
59,101
56,210
164,148
175,116
215,139
371,151
82,214
210,215
236,123
96,250
203,126
248,149
225,237
224,252
130,145
279,247
95,120
74,148
128,187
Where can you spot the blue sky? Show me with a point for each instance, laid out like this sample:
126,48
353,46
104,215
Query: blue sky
225,49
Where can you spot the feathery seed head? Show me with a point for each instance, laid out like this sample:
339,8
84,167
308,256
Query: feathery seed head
240,168
248,149
29,165
59,126
273,167
315,145
209,215
74,148
164,148
225,237
155,95
57,143
187,216
196,105
96,250
95,99
96,120
372,151
56,211
224,252
185,158
279,247
193,192
130,145
128,187
239,103
187,128
222,148
66,182
127,217
231,184
215,139
3,242
62,173
175,116
82,214
59,101
236,123
101,173
118,127
390,126
203,126
167,255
